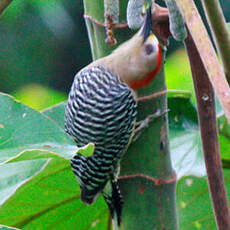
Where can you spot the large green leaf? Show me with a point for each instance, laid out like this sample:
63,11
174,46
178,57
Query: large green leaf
51,194
13,175
3,227
187,158
185,144
22,128
56,113
194,204
51,200
51,197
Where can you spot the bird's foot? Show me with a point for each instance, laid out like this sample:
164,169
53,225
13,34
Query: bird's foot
143,124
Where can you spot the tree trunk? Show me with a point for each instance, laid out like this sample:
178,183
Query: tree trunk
147,179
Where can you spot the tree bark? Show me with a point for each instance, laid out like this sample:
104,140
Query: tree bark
209,135
147,179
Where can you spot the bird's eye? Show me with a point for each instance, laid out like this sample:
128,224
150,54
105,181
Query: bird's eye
149,49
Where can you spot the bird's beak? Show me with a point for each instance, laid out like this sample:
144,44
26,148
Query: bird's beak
147,25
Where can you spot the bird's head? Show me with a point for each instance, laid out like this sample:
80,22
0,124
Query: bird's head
138,60
140,57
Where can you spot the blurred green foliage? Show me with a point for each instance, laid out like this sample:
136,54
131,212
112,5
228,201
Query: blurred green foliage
45,43
177,70
178,74
39,97
42,42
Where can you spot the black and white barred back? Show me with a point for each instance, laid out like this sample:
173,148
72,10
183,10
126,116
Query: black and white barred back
101,110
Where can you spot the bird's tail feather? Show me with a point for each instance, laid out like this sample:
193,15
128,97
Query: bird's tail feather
114,200
89,193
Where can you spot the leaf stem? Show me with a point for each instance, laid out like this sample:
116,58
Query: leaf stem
219,31
209,135
4,4
206,52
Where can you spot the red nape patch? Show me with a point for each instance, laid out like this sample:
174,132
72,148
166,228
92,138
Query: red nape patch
137,84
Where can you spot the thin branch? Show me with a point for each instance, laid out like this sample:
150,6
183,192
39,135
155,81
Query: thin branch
156,181
4,4
98,23
208,129
220,32
151,96
207,53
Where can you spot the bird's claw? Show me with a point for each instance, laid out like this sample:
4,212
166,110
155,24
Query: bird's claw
141,125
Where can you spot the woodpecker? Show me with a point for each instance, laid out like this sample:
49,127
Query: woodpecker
102,109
